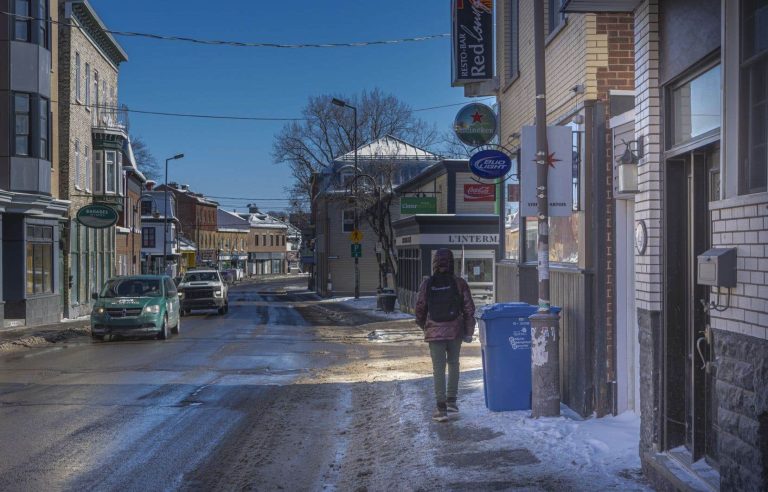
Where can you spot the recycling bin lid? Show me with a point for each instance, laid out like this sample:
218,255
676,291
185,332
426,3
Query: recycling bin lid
509,310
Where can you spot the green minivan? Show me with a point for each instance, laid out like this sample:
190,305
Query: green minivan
139,305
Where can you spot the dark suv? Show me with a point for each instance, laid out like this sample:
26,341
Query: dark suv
203,289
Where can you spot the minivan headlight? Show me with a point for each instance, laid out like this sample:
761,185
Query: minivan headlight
152,309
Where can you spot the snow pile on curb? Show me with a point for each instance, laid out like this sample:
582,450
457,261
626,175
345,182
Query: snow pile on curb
367,304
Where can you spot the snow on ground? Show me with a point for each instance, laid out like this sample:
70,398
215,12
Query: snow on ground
563,453
367,304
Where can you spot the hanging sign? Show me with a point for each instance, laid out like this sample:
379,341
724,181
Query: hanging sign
475,124
479,192
410,205
472,41
560,171
490,164
97,216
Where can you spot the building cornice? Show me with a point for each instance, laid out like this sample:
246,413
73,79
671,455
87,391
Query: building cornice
91,25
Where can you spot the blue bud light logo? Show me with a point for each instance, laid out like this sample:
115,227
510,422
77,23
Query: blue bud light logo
490,164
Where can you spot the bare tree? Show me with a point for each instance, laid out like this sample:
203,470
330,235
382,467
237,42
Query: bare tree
310,146
145,161
453,148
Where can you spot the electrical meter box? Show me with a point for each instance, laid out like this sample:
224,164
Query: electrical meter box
717,267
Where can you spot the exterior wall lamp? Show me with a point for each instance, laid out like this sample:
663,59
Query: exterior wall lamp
626,167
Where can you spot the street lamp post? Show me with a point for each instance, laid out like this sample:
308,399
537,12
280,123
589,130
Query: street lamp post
165,211
343,104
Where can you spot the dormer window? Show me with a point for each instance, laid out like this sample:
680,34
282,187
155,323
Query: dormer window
146,208
346,175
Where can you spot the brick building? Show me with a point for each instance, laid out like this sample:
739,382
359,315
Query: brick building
31,215
268,244
590,79
91,145
231,240
198,222
128,231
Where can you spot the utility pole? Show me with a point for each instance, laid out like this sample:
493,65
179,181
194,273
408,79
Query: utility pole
165,212
545,350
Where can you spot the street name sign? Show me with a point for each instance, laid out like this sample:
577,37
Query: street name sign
97,216
560,171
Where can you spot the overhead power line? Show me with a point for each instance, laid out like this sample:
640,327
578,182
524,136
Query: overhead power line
245,44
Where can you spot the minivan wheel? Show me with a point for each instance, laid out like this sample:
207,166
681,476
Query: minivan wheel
164,335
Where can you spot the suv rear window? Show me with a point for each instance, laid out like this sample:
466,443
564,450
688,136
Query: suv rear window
201,277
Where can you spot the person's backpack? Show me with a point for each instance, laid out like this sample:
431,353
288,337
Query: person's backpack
443,298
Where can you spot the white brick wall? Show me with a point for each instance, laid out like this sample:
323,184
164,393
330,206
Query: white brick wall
648,270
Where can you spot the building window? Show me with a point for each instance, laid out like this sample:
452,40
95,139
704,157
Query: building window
754,95
346,175
77,173
257,239
695,107
21,119
512,38
78,82
88,173
146,208
42,22
23,22
110,171
147,237
556,18
88,86
39,259
44,111
347,221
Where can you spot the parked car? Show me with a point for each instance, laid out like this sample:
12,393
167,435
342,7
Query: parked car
137,305
203,289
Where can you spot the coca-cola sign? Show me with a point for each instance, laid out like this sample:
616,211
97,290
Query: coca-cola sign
490,164
479,192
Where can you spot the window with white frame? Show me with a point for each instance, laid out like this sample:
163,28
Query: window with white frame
88,86
754,96
78,82
78,172
110,171
348,220
88,173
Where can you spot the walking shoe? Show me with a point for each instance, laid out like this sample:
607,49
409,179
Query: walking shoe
440,415
450,406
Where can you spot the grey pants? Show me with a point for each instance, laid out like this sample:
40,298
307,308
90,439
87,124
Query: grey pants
442,352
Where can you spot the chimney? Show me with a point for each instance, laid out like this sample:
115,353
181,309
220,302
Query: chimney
174,185
252,208
185,187
150,184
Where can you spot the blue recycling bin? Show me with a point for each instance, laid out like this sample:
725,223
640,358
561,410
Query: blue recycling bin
505,340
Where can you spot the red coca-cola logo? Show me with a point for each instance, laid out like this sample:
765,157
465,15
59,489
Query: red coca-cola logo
479,193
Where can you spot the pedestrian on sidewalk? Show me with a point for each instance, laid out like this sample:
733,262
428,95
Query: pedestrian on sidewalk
446,313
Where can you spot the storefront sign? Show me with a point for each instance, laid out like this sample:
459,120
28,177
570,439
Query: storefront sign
97,216
560,167
472,41
475,124
490,164
448,239
410,205
479,192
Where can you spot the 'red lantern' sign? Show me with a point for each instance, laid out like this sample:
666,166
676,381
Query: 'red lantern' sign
479,192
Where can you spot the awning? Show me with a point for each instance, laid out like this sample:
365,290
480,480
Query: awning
596,6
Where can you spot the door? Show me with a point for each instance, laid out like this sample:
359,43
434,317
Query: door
689,405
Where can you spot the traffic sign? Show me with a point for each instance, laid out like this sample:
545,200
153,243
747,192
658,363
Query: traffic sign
357,250
356,236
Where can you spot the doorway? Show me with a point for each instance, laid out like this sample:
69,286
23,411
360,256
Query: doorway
691,181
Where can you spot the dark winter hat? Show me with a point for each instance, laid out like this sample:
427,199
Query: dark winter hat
442,261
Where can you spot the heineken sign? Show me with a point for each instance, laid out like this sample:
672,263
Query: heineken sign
97,216
410,205
475,124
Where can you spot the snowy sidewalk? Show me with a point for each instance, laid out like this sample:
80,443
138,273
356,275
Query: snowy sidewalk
367,305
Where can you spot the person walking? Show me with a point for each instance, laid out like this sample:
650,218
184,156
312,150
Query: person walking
446,313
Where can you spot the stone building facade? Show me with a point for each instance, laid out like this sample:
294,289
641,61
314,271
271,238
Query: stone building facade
92,140
268,244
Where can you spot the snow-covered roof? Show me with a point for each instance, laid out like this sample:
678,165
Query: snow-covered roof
230,221
388,148
131,160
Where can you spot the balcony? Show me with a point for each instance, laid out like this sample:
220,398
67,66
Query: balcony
108,124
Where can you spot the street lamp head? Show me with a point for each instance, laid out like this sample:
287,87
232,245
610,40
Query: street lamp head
338,102
178,156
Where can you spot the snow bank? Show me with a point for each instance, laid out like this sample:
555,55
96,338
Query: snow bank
367,304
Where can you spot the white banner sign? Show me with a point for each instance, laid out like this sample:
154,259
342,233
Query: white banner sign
560,177
448,239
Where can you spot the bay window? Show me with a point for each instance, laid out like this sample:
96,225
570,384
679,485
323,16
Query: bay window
754,96
22,24
21,119
110,171
31,116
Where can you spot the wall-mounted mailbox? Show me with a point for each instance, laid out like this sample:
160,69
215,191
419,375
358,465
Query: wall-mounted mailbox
717,267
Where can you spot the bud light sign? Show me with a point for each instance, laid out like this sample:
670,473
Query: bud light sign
490,164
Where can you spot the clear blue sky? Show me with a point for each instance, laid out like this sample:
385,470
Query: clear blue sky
230,158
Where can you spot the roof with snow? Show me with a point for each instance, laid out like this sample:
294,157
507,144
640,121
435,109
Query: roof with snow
230,222
389,148
259,220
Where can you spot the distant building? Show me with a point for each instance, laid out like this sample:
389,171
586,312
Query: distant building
267,243
154,208
231,236
128,237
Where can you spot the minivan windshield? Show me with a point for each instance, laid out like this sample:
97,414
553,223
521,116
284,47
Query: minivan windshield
201,277
132,287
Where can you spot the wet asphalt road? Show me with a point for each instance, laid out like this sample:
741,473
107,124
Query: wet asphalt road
159,415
